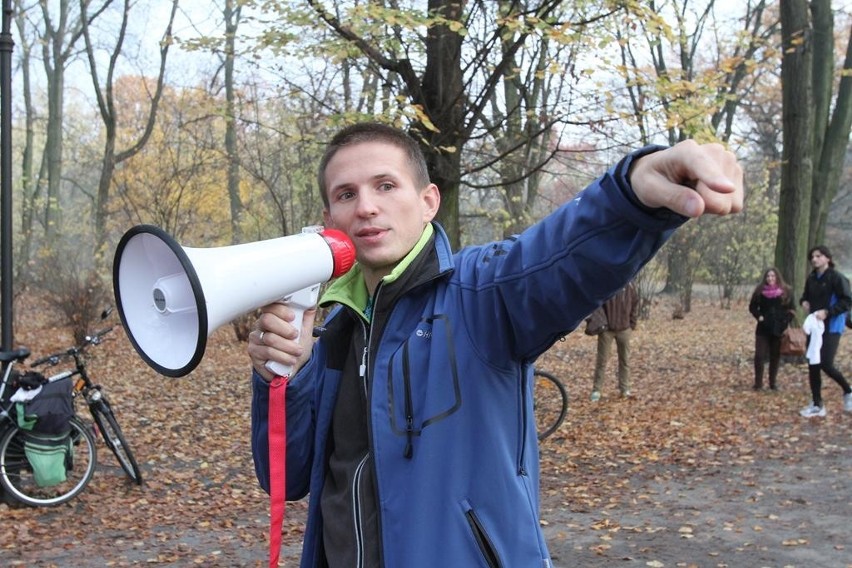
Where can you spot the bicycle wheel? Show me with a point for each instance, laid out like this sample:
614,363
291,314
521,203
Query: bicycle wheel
16,474
550,403
114,438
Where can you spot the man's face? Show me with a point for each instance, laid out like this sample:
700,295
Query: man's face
819,261
373,198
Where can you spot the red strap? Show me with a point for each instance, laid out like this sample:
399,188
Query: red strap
277,464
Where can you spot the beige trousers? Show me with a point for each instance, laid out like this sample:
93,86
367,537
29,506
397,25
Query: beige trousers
622,343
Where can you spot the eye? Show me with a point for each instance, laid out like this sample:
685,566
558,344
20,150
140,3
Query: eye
386,186
345,195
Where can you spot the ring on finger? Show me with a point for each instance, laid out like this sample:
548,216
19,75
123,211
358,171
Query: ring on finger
260,337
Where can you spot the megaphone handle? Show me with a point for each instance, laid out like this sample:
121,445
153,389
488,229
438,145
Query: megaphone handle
280,369
299,302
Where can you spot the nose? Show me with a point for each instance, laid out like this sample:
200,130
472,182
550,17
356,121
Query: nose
367,205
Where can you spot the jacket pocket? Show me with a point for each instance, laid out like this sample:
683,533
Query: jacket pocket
423,381
480,535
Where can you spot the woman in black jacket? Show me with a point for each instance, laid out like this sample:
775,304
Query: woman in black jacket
772,306
826,296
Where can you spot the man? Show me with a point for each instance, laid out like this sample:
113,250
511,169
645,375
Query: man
827,297
621,313
410,421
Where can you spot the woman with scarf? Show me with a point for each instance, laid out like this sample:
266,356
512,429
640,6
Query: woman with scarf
772,306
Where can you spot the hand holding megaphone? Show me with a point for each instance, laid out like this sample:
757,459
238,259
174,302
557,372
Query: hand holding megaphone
171,298
284,335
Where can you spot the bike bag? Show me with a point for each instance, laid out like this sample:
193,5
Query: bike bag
49,412
50,457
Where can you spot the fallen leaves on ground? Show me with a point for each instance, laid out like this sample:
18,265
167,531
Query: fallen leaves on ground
693,414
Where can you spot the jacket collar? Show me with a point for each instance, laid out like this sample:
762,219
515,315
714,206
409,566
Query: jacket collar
351,290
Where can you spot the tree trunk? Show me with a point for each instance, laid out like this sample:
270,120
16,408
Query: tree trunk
29,183
829,145
797,166
53,149
232,19
442,92
104,182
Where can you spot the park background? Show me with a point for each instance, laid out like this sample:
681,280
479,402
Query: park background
208,119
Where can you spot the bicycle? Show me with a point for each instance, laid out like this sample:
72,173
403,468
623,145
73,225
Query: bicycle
550,403
96,400
16,474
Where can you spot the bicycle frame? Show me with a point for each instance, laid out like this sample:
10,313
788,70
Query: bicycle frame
84,383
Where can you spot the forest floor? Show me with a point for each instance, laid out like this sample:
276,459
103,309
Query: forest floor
695,470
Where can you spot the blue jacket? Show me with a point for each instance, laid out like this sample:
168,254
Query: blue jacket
451,419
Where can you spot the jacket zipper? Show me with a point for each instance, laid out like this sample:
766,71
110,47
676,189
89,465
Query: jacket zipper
357,520
408,453
525,406
482,540
356,510
364,371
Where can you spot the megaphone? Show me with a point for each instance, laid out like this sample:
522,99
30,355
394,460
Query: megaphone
171,298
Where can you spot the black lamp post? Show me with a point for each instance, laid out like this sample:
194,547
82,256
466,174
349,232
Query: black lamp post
6,265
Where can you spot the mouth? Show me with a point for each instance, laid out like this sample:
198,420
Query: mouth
370,232
370,235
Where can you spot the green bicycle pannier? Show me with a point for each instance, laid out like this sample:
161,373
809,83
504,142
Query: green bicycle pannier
50,457
45,422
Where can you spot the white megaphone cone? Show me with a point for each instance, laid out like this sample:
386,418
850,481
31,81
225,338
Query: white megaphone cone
171,298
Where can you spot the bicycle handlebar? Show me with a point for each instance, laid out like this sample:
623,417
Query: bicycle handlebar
54,358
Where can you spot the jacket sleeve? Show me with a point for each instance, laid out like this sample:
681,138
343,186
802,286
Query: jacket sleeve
754,306
805,297
546,280
260,429
299,431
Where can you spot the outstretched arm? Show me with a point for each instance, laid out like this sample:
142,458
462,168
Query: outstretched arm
690,179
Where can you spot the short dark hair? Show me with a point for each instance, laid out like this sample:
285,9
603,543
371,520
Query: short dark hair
823,250
375,132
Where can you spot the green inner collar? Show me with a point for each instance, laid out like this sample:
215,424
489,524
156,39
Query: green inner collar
351,290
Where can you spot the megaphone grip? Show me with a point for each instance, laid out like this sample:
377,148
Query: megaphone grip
279,369
298,301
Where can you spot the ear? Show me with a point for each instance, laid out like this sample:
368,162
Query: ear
326,219
431,199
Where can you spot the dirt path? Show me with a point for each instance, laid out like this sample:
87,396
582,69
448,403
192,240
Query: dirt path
766,513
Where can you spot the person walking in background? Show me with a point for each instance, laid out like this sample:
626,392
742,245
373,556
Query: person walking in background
772,306
827,296
622,313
